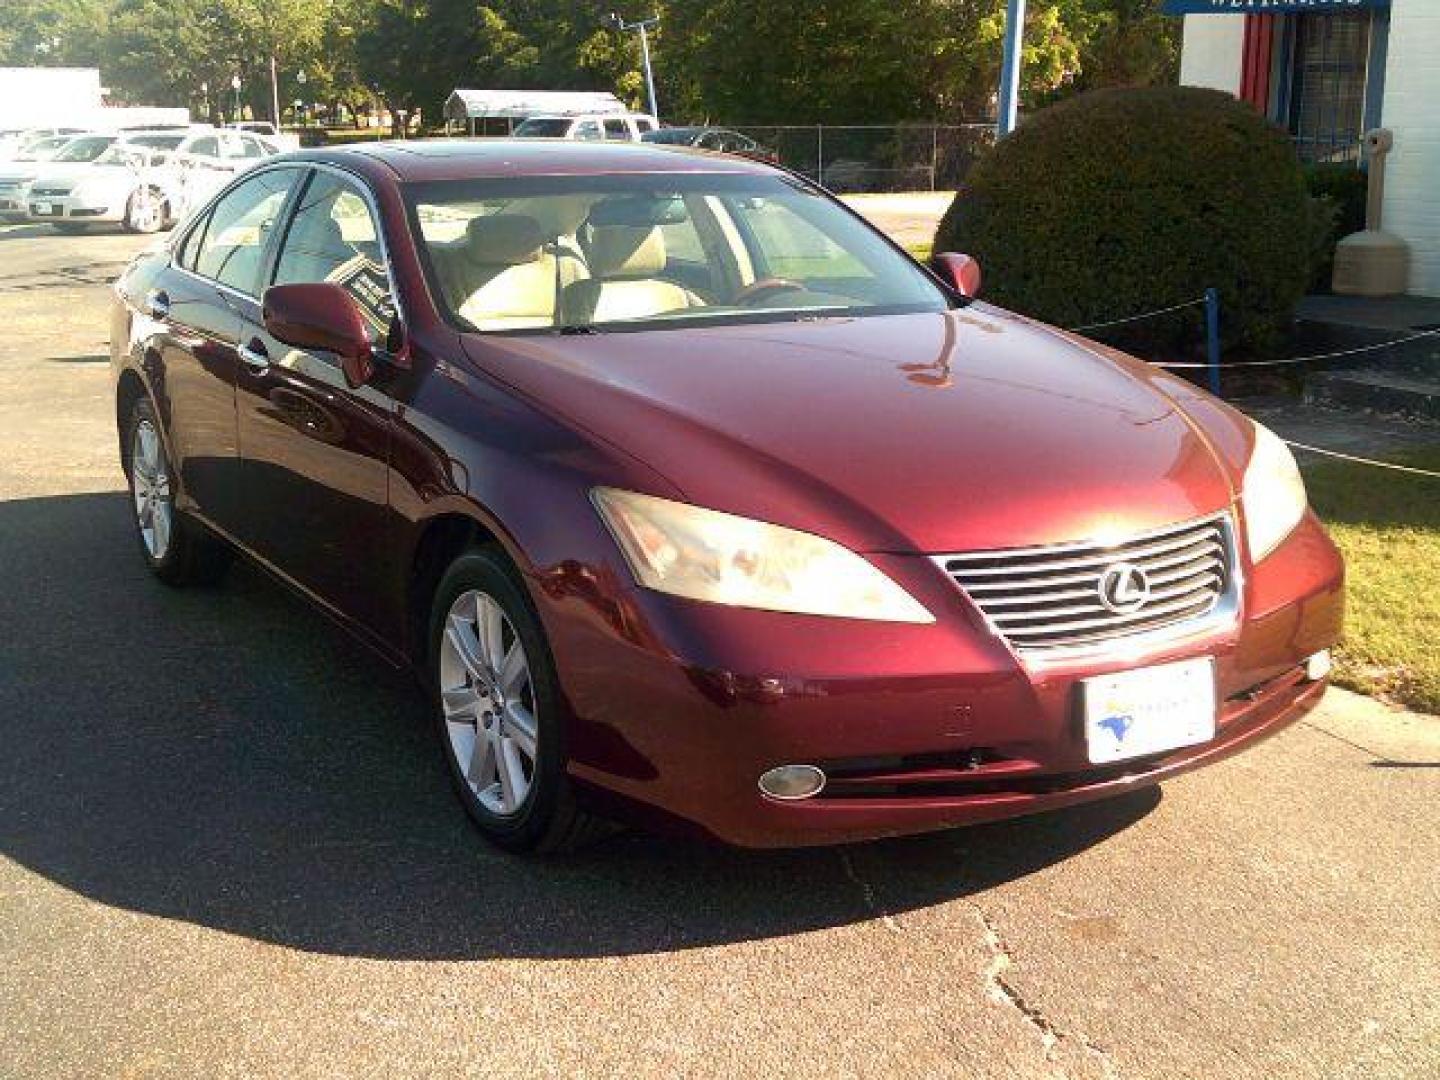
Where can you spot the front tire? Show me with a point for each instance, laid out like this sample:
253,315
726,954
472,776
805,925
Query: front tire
178,551
497,705
145,212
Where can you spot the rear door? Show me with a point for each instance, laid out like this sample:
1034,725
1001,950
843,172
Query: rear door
314,450
216,265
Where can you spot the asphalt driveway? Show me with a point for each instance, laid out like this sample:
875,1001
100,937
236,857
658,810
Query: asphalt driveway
227,848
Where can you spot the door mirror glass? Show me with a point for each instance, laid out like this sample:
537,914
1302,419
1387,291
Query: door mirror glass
325,317
960,272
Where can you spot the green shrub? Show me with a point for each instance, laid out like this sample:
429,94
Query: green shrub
1123,201
1340,189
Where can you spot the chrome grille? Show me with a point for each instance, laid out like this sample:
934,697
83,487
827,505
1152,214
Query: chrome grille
1070,595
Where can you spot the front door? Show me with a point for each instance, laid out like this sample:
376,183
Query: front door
216,266
315,451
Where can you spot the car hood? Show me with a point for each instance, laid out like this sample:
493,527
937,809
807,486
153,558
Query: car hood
934,432
75,171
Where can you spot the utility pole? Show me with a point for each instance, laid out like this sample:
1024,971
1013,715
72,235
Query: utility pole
274,93
644,26
1010,68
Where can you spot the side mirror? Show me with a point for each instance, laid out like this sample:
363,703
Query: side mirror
960,272
321,316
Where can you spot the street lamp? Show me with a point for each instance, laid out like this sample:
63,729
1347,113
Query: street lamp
644,26
235,85
300,102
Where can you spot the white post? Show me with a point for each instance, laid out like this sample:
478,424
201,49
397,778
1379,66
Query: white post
649,75
274,93
1010,68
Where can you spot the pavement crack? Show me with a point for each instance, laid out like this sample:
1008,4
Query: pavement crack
1001,989
867,893
1343,740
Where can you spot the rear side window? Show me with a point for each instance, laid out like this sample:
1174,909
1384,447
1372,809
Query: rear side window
239,227
206,147
588,130
615,129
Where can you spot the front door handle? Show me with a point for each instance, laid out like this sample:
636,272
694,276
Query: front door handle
157,305
255,357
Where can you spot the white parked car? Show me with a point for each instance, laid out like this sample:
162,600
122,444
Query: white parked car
106,178
17,174
285,140
209,158
14,143
146,181
620,127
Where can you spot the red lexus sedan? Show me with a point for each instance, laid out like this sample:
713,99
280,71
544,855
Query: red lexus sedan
692,498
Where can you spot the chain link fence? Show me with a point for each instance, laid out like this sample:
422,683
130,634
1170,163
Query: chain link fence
877,157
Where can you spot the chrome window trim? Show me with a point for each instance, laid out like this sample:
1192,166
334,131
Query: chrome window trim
1222,616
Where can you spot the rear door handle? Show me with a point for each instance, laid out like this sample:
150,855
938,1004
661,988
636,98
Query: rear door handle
255,357
157,305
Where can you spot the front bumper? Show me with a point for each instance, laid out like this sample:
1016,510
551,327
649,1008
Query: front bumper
42,208
677,707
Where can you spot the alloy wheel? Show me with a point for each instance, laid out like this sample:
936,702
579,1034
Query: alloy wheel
150,483
489,703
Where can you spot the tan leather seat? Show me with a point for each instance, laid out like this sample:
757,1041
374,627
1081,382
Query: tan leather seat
501,277
625,262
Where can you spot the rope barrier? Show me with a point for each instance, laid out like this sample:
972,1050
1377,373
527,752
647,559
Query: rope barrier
1364,461
1137,318
1315,356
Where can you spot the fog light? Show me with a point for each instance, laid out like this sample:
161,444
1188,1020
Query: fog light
1318,666
789,782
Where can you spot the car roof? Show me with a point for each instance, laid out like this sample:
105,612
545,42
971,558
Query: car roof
464,159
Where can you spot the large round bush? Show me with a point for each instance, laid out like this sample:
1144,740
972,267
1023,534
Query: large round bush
1122,201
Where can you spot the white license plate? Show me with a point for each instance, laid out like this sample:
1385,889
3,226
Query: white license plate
43,209
1149,710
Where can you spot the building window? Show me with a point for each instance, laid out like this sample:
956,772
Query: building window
1328,76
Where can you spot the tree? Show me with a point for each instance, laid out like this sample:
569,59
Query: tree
414,52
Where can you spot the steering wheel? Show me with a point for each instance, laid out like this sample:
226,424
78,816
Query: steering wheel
764,287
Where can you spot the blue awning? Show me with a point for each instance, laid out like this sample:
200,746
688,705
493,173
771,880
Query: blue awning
1265,7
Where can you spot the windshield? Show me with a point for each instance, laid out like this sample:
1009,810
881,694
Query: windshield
134,150
587,253
85,148
43,150
543,127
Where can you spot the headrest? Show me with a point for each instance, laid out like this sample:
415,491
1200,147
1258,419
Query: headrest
504,240
621,251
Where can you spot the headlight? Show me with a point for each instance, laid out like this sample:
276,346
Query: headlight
706,555
1274,494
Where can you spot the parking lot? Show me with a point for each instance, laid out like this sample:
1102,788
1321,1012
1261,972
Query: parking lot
229,849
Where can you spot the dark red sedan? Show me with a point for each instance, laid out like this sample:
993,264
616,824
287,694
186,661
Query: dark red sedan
693,499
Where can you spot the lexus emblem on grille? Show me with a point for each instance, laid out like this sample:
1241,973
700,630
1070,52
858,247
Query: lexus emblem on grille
1123,588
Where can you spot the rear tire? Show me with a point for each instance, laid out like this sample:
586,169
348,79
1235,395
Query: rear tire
179,550
496,703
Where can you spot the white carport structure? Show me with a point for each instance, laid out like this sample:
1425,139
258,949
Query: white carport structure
468,106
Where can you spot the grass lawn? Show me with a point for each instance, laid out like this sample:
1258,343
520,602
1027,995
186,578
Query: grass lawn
1388,526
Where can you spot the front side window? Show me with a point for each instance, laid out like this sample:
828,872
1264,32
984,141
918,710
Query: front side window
206,147
238,228
615,129
612,252
332,237
588,131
